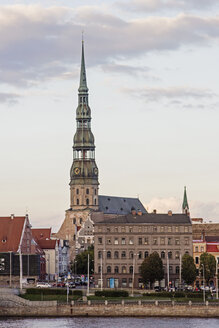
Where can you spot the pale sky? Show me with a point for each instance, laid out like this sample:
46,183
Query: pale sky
153,77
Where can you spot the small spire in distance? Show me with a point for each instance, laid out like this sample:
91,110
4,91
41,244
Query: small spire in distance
185,205
83,81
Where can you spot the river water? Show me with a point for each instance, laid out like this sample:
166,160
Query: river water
108,322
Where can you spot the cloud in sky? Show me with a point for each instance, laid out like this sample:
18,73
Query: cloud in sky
152,6
8,98
206,210
38,43
175,95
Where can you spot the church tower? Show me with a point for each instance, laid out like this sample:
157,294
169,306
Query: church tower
84,172
185,204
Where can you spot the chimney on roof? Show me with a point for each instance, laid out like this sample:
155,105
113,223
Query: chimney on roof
12,216
154,211
170,213
139,212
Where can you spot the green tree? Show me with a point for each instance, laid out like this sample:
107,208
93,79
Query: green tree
209,263
151,269
188,269
80,263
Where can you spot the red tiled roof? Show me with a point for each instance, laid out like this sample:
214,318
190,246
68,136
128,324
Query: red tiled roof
47,243
39,234
10,233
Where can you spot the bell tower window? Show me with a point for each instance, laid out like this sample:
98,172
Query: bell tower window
87,191
77,201
77,191
87,201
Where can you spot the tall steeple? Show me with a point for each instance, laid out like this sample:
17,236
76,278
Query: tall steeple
84,172
185,205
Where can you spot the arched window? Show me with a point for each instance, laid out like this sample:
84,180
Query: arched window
99,255
123,254
162,255
131,255
80,220
77,201
131,269
140,255
116,269
116,255
108,269
177,269
108,255
123,269
99,269
177,255
95,201
95,191
170,255
74,221
77,191
87,191
87,201
146,254
187,252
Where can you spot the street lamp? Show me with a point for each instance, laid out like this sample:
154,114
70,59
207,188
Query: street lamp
88,273
133,274
203,283
217,279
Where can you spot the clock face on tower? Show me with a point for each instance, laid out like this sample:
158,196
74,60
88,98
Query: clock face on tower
77,171
95,170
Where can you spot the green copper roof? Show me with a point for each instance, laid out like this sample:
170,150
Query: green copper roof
185,204
83,81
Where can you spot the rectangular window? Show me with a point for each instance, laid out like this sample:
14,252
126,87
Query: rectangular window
123,229
139,229
196,249
124,282
154,229
162,229
145,229
100,240
145,241
2,264
169,229
123,241
177,241
109,241
130,229
116,229
177,229
99,229
139,241
169,241
202,249
186,241
186,229
162,241
108,229
116,241
196,260
155,241
131,242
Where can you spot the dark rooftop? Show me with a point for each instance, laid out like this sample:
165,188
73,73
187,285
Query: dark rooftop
149,218
119,205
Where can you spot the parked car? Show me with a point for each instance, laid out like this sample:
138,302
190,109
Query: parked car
43,285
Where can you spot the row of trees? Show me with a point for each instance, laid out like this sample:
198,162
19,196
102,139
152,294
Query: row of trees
152,269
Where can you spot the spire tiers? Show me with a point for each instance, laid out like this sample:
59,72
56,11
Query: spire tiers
83,80
185,205
84,172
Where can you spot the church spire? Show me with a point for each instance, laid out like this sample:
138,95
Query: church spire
83,80
185,205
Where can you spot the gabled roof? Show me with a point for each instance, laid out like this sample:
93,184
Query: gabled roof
11,232
150,218
119,205
39,234
47,244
